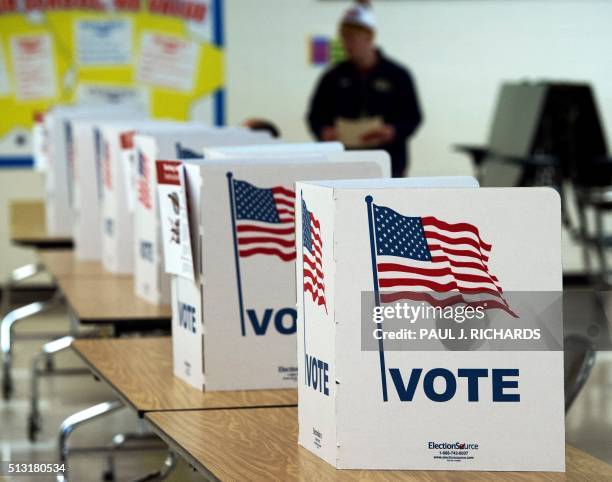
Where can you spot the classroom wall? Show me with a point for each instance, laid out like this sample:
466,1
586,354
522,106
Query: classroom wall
459,51
16,184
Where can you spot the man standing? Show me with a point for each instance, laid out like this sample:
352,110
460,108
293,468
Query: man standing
367,85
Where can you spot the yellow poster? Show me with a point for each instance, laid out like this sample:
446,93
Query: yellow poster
166,53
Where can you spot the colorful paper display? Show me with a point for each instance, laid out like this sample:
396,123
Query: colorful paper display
168,53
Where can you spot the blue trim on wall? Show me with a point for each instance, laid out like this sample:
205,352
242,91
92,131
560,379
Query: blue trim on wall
21,162
219,41
219,102
218,32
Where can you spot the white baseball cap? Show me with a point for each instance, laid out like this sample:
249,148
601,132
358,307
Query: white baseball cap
359,15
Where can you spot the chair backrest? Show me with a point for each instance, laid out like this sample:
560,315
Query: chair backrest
513,130
571,130
548,119
516,119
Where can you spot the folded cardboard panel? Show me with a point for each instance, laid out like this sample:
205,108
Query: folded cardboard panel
59,138
241,235
85,158
149,145
420,404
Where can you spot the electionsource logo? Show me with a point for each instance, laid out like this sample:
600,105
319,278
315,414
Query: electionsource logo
452,446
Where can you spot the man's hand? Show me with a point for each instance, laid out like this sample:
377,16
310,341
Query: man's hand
379,136
329,133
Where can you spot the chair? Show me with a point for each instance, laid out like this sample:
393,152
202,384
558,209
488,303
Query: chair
579,358
550,134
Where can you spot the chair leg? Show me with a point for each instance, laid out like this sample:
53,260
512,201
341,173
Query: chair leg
168,466
7,327
74,421
109,472
49,349
600,233
121,442
583,231
581,379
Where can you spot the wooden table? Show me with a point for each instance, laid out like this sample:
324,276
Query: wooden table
97,296
28,226
139,371
62,262
262,445
109,300
102,300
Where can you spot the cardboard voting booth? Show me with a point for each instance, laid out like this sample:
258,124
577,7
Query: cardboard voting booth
393,373
39,142
233,294
85,159
117,218
59,140
278,149
86,232
151,282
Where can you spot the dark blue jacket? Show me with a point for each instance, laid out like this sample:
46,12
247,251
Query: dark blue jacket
387,90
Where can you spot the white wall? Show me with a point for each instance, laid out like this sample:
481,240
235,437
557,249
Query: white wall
458,50
16,184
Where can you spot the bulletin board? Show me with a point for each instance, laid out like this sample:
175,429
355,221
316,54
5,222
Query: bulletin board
168,54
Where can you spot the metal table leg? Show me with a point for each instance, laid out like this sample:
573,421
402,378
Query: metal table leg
168,466
7,326
73,421
120,443
48,351
55,346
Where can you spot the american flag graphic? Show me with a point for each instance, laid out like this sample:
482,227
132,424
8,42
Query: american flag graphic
144,180
265,220
313,257
427,259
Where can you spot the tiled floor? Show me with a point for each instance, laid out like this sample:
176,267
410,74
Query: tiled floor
589,423
63,396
